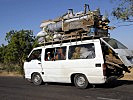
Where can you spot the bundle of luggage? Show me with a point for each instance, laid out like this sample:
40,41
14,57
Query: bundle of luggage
74,25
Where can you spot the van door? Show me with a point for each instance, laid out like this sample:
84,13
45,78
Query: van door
122,51
54,64
33,63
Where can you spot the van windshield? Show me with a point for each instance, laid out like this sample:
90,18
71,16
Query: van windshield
114,43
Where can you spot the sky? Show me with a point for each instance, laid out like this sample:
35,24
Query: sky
28,14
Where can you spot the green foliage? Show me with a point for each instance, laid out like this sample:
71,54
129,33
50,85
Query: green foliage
124,10
2,53
35,44
20,43
11,68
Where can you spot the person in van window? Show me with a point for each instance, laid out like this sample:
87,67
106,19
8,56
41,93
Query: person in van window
49,58
60,55
36,56
76,54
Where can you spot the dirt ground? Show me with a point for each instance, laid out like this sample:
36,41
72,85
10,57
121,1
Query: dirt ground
9,74
127,76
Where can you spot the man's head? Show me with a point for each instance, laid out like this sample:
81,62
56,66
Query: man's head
60,50
77,49
48,53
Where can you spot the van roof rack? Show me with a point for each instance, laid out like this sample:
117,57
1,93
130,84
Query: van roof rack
73,39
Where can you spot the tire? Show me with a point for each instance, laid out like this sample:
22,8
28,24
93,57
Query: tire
111,82
37,79
80,81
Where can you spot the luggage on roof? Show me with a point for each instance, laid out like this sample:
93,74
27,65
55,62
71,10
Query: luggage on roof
74,25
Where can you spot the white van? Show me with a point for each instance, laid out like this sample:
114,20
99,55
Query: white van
79,62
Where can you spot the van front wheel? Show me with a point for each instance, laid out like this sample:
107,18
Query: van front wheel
80,81
37,79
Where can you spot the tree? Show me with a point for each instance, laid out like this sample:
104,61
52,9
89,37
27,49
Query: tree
124,10
2,53
19,45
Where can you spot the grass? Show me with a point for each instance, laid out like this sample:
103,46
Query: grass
10,70
5,73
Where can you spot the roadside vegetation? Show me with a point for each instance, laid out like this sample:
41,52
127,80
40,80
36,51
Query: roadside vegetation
20,43
13,55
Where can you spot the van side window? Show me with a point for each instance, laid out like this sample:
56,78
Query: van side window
49,54
60,53
53,54
85,51
36,55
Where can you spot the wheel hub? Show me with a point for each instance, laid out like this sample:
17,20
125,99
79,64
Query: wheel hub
80,81
37,78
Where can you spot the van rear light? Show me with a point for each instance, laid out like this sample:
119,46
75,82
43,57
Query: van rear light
104,69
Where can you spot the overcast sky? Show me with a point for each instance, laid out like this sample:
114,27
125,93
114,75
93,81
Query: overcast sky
28,14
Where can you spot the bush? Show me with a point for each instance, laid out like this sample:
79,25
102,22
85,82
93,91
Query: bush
11,68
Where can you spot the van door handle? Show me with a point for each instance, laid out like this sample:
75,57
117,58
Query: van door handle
39,63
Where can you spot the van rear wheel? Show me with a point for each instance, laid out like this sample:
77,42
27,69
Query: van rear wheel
37,79
80,81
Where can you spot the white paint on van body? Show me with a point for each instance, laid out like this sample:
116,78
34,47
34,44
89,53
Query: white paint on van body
61,70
